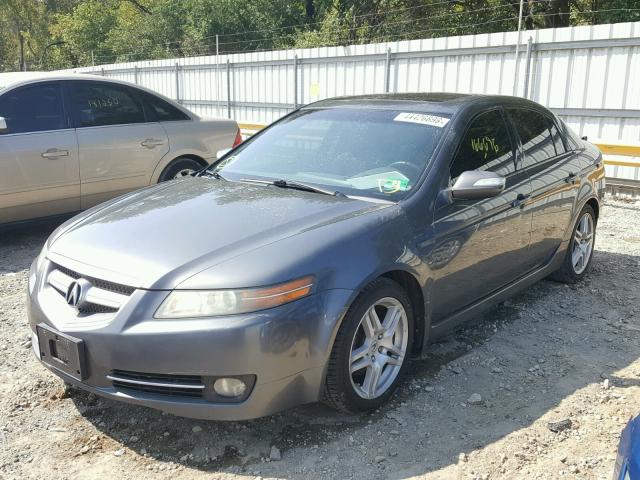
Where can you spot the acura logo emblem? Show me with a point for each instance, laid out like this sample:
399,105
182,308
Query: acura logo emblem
76,292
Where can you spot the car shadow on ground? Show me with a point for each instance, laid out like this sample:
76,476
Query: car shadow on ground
525,356
22,243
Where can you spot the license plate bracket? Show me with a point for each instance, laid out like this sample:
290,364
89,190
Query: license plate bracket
62,352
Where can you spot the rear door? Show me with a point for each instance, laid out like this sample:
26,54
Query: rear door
38,154
554,173
479,243
119,146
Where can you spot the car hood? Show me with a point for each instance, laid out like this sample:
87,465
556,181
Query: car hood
158,237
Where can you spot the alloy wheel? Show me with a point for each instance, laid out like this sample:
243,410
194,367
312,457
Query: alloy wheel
378,348
582,244
185,172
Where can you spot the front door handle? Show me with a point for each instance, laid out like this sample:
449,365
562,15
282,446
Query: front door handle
54,153
520,200
151,143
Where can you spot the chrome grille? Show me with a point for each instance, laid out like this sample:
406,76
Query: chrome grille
101,297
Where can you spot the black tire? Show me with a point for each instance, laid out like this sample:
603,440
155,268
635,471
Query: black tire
568,272
180,164
339,391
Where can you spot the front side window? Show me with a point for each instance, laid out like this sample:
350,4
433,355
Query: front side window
486,145
535,136
358,151
97,104
36,108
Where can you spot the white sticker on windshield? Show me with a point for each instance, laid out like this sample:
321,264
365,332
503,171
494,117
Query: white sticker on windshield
421,118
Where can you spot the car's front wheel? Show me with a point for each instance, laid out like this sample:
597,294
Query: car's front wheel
180,167
580,251
371,350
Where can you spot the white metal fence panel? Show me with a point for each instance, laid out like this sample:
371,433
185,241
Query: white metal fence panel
588,75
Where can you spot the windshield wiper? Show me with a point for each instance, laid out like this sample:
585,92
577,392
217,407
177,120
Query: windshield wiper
295,185
214,174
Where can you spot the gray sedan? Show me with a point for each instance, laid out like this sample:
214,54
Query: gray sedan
311,262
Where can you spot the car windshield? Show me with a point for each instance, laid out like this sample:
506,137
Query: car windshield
361,152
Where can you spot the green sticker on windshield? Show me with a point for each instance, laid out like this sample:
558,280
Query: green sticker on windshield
393,185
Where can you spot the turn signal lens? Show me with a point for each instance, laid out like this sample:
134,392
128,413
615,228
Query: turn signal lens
238,139
210,303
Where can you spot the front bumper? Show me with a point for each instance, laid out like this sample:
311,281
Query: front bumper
285,348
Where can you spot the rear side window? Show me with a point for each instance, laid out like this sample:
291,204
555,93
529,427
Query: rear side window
97,104
557,139
35,108
162,111
485,146
535,135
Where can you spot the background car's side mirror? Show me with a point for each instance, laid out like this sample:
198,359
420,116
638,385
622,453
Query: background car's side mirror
222,153
477,184
3,125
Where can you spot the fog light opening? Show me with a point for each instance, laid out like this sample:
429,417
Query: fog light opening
229,387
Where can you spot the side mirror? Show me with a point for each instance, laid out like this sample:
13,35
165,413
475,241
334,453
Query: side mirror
3,125
477,184
222,153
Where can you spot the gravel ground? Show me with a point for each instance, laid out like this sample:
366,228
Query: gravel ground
539,387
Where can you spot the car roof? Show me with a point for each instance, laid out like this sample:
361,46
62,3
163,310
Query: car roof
429,102
12,79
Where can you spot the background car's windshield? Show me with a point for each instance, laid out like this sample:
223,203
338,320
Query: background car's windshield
367,152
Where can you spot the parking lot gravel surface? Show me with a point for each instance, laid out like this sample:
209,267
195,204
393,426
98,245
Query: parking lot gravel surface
538,387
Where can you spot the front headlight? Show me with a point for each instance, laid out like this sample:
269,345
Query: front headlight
41,258
211,303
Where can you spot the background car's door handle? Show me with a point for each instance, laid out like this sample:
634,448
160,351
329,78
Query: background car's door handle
54,153
151,143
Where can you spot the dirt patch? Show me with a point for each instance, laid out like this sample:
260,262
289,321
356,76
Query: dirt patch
539,387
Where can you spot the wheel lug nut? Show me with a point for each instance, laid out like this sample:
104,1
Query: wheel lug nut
379,337
373,358
380,349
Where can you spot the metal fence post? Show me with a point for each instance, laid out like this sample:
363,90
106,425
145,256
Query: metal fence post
387,71
177,82
295,82
527,66
228,88
102,72
135,74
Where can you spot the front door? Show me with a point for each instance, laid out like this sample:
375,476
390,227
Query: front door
119,149
478,244
38,155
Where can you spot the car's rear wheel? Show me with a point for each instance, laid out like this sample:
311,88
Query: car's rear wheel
180,167
577,261
371,350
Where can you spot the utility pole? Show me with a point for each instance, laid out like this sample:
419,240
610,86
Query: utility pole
23,63
93,64
218,75
517,58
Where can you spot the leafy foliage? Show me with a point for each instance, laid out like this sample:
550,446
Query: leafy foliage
69,33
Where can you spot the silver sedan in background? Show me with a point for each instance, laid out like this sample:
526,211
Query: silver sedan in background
68,142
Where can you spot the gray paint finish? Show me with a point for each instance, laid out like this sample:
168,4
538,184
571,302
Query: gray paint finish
204,233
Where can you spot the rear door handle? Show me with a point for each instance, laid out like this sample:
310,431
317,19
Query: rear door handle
571,178
151,143
54,153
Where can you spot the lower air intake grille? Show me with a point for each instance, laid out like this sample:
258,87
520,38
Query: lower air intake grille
180,385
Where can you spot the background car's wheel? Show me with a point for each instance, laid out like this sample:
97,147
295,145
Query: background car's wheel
180,167
580,251
370,352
